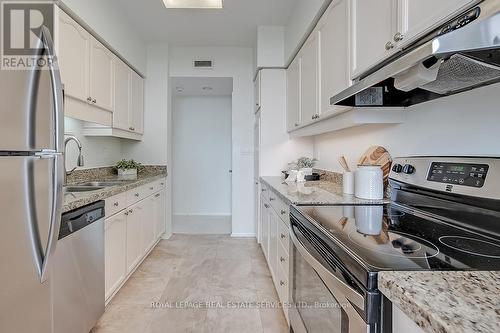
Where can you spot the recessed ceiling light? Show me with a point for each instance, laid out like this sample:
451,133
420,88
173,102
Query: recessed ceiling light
193,4
207,88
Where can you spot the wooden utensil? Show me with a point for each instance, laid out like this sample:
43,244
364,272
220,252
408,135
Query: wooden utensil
378,155
343,163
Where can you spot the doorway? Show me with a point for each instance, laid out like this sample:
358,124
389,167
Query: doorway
201,155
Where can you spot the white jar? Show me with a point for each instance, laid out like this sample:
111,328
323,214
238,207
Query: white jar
369,182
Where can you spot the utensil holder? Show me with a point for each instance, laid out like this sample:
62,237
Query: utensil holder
348,183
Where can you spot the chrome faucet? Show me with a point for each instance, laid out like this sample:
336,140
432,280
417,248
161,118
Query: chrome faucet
79,161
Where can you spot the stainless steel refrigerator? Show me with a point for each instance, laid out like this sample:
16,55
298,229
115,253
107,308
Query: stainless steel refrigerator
31,180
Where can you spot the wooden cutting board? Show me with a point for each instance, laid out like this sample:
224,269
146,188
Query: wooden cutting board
377,155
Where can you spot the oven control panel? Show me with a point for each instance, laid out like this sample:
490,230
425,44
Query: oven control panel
465,174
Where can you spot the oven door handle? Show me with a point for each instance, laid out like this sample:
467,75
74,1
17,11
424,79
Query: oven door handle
338,288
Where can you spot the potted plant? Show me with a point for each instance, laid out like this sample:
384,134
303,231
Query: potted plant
127,169
305,164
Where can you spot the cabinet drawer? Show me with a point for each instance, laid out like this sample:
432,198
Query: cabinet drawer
283,259
116,203
150,188
284,235
275,201
284,212
282,286
136,194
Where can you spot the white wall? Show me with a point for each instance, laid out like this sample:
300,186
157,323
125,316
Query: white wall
236,63
270,46
97,151
201,155
111,25
463,124
299,23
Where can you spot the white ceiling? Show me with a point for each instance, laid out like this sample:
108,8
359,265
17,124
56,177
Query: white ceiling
234,25
193,86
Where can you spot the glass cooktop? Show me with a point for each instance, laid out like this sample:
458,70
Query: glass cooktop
390,238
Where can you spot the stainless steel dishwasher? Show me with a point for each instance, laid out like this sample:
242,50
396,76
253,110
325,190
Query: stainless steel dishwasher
78,270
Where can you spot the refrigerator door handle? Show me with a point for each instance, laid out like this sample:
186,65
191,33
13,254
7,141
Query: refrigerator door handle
55,212
57,88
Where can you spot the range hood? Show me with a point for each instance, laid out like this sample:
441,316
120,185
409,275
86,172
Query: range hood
461,55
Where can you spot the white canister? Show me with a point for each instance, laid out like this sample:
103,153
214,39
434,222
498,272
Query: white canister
348,183
369,183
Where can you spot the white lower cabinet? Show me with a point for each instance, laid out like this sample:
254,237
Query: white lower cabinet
137,223
264,212
115,252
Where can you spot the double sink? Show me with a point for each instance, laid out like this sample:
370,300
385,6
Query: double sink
94,186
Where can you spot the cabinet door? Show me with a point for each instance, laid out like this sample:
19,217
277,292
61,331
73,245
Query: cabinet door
416,18
123,75
73,55
264,217
115,252
137,104
293,94
148,215
160,214
374,24
256,91
333,31
101,75
309,80
273,243
134,236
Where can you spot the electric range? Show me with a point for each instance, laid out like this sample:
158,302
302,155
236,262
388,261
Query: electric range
444,214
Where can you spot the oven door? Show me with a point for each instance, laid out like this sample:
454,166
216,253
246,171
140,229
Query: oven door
321,299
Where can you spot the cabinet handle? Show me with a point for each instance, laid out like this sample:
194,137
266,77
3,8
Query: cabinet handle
126,213
283,236
115,204
151,188
94,101
266,205
296,125
157,195
89,99
283,212
398,37
272,199
389,45
130,211
282,259
282,283
137,194
162,184
263,190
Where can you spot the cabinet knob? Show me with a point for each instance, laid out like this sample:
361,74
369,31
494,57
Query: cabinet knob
296,125
126,213
272,199
266,205
157,195
283,212
282,259
263,190
389,45
283,236
398,37
151,188
89,99
282,283
94,101
115,204
137,194
130,211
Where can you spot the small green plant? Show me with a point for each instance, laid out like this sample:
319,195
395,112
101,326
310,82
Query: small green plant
128,164
301,163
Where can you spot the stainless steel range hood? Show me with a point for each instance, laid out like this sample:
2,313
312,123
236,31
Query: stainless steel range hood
461,55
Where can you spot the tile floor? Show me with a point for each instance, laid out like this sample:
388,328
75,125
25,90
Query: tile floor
188,270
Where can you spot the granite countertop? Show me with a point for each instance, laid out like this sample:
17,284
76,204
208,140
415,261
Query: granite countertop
315,193
446,302
73,200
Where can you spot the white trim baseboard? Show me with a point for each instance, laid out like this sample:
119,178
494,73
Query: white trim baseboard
243,235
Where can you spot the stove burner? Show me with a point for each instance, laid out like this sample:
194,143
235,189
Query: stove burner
396,245
472,246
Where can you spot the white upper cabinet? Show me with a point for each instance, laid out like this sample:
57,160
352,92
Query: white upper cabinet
123,78
309,80
333,34
136,114
293,94
374,24
74,54
101,75
419,16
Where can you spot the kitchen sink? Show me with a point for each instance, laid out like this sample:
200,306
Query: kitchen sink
82,188
105,183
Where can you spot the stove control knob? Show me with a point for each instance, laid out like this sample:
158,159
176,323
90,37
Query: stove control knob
397,168
408,169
